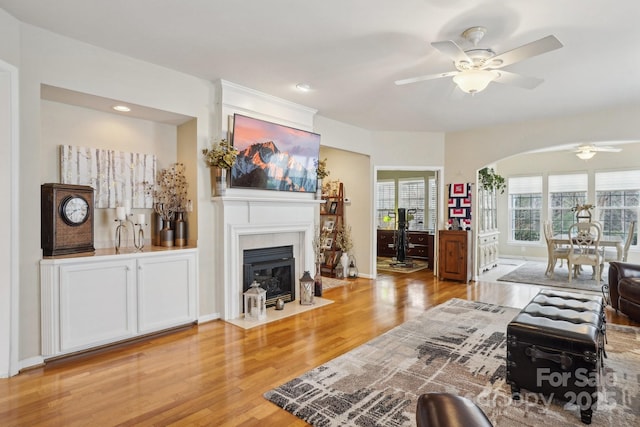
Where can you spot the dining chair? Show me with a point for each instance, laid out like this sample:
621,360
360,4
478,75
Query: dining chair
584,241
555,251
610,254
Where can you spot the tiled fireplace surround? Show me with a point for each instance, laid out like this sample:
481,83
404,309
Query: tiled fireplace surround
249,221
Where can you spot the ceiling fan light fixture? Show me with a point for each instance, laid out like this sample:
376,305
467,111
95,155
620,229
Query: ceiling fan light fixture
474,81
585,155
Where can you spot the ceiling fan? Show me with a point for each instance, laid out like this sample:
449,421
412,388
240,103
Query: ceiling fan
587,151
477,67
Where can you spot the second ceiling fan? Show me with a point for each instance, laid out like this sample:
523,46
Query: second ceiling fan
477,67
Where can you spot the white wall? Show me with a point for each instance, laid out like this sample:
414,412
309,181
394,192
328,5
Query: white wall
10,36
58,61
466,152
64,124
408,149
9,214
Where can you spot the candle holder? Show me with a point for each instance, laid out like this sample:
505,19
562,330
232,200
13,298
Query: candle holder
138,238
140,243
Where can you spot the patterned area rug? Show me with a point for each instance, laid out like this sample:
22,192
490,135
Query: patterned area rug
533,273
330,282
387,264
457,347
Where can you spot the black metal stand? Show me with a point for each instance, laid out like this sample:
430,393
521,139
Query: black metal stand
401,240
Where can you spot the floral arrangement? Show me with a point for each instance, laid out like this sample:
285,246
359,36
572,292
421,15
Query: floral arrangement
343,239
170,191
585,207
317,241
321,169
222,155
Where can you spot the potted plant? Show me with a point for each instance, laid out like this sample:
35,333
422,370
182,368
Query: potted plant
490,180
220,158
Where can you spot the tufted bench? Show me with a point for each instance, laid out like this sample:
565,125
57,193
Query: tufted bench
555,346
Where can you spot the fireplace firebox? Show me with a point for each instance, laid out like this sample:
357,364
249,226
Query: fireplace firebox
274,269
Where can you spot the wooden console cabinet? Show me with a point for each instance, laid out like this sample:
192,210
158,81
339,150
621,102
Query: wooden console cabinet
420,245
454,249
97,300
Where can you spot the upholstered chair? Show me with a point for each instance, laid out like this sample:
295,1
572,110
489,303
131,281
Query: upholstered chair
624,288
446,410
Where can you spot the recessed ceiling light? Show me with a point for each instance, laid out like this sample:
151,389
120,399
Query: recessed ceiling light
121,108
304,87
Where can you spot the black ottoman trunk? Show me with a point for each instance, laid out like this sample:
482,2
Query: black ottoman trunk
555,346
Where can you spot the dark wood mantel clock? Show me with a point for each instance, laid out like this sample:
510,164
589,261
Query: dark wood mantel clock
66,219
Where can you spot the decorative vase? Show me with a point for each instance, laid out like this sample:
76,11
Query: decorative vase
166,236
344,260
319,189
317,281
218,181
180,230
156,225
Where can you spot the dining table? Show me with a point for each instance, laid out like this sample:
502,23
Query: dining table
605,241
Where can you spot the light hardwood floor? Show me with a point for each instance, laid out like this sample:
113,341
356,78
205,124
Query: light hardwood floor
215,374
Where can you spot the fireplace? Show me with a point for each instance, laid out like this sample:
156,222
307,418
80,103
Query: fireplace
274,269
244,223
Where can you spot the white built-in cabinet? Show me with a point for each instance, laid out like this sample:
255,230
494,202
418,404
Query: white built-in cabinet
488,233
97,300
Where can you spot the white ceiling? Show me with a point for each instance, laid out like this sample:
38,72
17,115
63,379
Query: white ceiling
351,52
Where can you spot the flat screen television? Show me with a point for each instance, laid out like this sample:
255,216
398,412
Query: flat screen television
273,156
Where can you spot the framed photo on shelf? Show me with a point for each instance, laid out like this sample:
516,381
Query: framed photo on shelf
331,258
328,242
328,225
333,208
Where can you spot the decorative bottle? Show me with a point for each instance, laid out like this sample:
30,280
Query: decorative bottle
317,281
180,230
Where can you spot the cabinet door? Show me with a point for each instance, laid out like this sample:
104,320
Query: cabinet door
97,304
166,292
386,243
454,255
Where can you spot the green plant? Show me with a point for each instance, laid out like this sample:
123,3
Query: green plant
490,180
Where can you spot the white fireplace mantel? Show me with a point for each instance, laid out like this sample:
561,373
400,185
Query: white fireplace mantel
250,221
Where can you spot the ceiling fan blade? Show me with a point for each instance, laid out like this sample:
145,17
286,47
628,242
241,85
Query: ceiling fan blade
607,149
452,50
423,78
601,148
538,47
509,78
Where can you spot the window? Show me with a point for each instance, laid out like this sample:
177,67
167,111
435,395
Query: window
617,201
525,208
411,197
386,208
433,204
565,193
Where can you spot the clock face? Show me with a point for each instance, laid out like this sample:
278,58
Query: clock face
75,210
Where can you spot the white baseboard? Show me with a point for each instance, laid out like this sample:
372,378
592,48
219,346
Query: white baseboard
208,318
31,362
